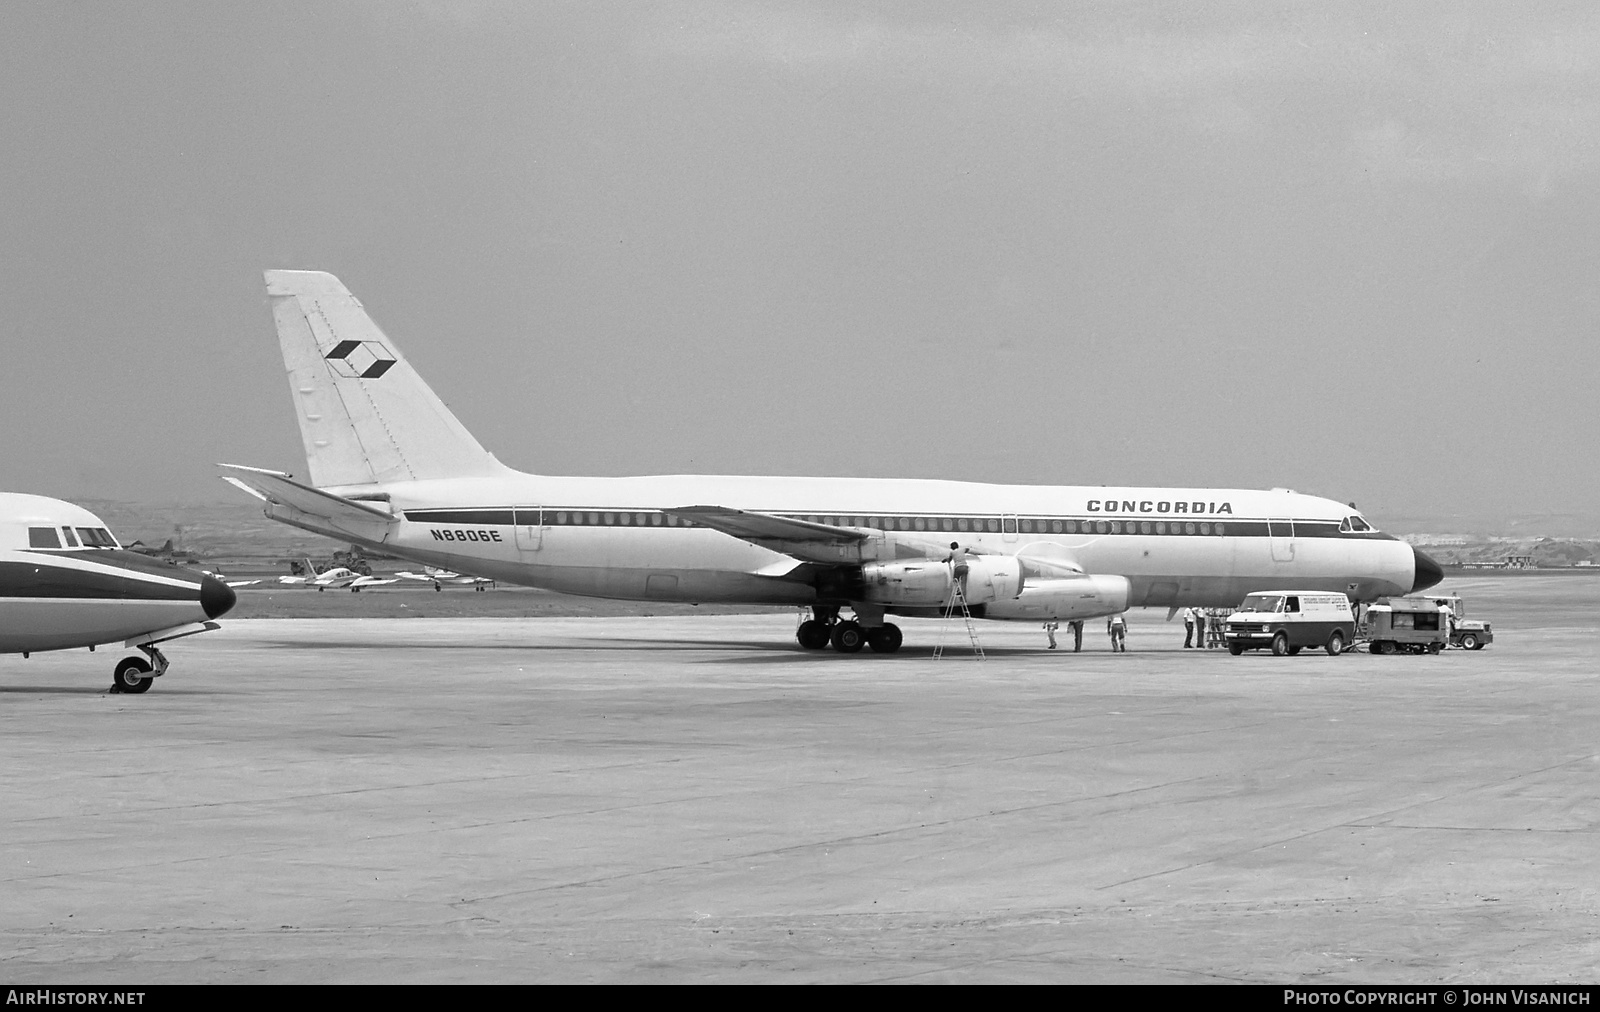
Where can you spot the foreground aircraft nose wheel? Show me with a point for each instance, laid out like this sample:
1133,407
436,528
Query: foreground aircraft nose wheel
848,637
132,675
885,639
813,635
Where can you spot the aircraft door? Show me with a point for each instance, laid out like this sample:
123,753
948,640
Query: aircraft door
1281,534
530,530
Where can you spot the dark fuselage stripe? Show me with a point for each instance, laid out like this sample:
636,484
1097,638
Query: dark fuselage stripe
910,523
33,580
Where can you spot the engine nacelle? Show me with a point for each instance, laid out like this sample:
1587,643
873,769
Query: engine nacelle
993,578
1075,598
922,584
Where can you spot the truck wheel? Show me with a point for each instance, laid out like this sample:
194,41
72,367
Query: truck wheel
1434,648
1335,645
1469,641
1380,647
1280,644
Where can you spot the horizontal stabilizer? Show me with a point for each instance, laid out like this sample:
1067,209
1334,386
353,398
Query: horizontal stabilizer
277,487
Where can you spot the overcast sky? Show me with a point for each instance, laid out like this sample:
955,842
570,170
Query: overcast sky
1351,249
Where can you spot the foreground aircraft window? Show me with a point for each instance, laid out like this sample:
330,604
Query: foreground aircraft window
1353,524
1218,531
993,525
1161,528
594,519
1145,528
1027,526
1100,527
43,537
96,537
1071,526
67,536
611,518
1188,528
1205,528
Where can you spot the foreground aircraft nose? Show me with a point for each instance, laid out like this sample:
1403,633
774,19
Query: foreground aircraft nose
217,597
1428,572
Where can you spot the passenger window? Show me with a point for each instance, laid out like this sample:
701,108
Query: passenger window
67,536
1291,604
43,537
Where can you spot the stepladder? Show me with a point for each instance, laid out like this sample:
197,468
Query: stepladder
958,602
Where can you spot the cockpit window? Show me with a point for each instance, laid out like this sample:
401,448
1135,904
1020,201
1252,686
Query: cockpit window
1354,524
43,537
69,537
96,537
1262,602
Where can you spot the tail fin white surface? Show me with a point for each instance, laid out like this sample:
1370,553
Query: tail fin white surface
365,415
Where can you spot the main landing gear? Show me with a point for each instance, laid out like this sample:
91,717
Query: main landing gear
846,636
134,674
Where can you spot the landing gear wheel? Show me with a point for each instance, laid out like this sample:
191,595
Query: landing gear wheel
848,637
885,639
813,635
1236,649
1335,644
1469,641
132,675
1280,645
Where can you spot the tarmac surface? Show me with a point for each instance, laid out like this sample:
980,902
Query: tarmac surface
696,799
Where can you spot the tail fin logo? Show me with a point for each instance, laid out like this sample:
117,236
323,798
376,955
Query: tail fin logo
360,359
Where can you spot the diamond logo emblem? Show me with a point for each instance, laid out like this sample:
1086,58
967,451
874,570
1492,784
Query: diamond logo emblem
360,359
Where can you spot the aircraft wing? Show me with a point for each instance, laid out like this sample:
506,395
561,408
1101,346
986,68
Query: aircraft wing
761,527
799,539
286,497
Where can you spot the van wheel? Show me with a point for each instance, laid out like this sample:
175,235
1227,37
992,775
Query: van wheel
1294,651
1335,644
1236,649
1280,644
1469,641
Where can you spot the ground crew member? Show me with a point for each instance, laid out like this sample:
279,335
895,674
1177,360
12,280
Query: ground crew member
1118,631
958,559
1200,627
1077,635
1050,628
1188,626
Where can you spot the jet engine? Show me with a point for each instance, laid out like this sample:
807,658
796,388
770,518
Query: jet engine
993,578
924,584
1075,598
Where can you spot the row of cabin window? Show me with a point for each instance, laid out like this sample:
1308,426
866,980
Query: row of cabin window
1024,525
90,537
562,518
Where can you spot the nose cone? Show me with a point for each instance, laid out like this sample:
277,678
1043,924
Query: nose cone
1428,572
216,597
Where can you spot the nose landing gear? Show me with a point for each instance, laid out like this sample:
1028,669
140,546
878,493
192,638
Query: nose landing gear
133,675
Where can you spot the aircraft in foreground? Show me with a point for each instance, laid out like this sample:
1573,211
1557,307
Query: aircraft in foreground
391,468
65,582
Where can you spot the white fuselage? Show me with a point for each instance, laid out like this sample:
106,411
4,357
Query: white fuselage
617,537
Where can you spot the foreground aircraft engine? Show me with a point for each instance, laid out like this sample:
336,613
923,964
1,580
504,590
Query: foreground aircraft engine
1074,598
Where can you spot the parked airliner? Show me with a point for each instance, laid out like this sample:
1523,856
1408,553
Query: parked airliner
391,468
65,582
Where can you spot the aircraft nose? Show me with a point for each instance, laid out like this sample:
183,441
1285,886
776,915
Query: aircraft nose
1428,572
216,597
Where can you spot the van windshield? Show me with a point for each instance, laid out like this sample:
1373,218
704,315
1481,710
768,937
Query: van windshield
1261,602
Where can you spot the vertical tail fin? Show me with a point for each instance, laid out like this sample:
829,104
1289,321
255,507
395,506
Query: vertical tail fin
365,415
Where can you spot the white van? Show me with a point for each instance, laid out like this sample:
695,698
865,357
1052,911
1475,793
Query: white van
1287,620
